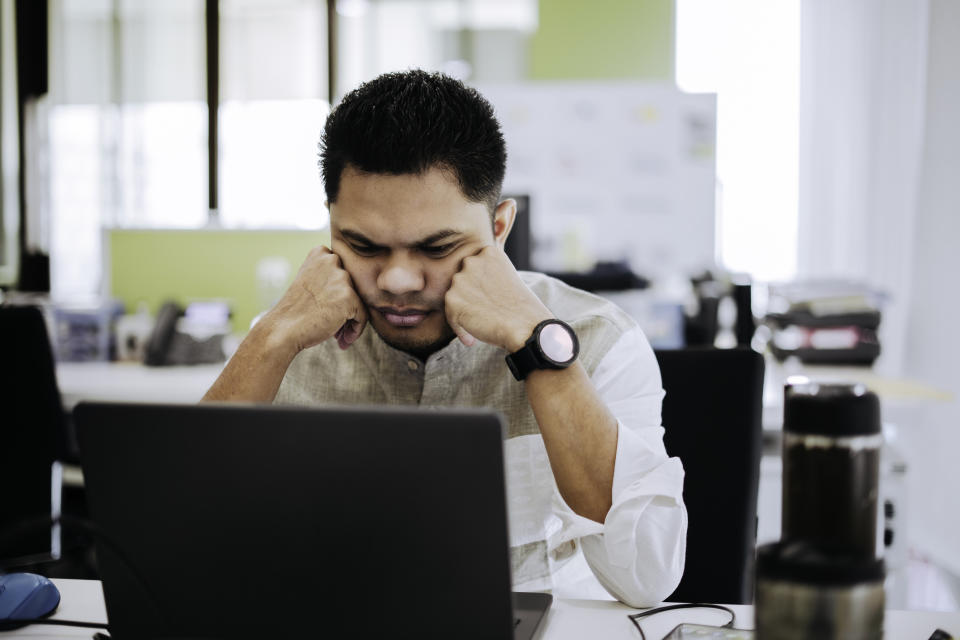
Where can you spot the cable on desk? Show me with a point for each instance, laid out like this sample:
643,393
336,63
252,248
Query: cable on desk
635,617
7,625
87,526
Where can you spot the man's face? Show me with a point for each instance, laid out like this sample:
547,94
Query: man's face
402,238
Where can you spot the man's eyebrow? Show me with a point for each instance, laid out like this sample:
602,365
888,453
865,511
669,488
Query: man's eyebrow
358,238
433,238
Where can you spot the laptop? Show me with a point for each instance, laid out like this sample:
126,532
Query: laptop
260,521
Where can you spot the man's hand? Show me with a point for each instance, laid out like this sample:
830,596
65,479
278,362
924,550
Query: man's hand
488,301
321,303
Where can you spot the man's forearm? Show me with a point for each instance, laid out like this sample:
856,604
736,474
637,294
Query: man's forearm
255,371
580,435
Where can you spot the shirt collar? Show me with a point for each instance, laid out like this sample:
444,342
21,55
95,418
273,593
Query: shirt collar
454,351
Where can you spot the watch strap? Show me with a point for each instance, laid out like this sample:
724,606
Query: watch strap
523,361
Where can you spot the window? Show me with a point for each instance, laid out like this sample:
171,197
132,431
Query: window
273,61
480,41
125,123
748,53
125,127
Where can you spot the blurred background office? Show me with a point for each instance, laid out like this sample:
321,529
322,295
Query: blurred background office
671,154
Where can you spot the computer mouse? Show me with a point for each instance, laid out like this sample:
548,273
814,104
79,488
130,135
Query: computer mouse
25,596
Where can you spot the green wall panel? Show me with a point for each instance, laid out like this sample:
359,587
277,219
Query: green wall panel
158,265
604,39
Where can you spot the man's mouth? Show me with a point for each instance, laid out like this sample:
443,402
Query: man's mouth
403,317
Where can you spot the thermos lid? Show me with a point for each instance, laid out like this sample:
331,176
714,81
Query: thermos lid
803,563
839,410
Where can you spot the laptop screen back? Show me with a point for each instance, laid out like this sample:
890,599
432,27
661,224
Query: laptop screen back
267,521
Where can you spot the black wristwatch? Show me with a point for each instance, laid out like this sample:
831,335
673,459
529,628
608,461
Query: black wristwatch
553,345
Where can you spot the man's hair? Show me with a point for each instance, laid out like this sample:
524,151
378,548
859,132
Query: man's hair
410,122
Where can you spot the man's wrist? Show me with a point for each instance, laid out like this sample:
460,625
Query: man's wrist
274,339
522,330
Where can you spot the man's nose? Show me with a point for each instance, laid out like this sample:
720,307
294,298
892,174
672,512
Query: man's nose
401,274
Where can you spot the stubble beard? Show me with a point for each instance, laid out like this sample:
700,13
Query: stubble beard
421,348
404,339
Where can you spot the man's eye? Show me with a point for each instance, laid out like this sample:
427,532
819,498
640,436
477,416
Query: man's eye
364,250
439,250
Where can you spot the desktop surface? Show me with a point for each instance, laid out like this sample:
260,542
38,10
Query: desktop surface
568,619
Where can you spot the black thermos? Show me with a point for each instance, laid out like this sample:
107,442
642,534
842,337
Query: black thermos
831,467
824,579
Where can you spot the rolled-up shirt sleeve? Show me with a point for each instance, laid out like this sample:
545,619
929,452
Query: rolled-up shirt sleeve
638,553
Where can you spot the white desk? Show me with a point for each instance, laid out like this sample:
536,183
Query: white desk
568,619
133,382
897,394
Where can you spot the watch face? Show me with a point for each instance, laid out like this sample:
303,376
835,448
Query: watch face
556,343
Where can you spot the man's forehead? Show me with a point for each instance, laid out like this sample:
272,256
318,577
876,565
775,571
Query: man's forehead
406,209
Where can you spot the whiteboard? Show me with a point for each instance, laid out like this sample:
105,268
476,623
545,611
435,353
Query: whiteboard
614,171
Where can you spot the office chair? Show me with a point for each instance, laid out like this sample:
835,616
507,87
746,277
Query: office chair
32,437
712,418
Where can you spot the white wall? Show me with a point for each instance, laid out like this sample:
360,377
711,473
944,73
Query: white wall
932,351
863,70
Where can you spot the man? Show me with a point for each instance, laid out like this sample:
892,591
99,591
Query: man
413,165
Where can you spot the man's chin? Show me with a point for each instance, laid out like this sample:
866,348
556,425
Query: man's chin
413,341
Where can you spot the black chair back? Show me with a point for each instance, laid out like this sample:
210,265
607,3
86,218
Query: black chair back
32,433
712,418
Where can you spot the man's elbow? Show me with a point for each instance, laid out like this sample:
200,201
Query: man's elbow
642,586
642,570
653,589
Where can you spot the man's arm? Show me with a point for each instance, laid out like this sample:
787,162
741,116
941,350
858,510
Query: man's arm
488,301
580,435
621,494
256,369
320,304
639,552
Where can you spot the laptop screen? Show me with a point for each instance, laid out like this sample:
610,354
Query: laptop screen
222,520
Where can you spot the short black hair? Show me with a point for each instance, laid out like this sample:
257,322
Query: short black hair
410,122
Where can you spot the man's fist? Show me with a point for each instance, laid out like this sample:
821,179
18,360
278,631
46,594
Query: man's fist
321,303
488,301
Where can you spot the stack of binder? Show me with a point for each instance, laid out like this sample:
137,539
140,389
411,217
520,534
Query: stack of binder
825,322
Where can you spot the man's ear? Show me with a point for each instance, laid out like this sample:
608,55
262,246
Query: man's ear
503,218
